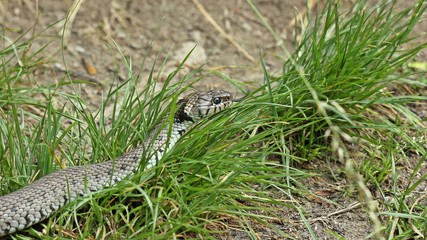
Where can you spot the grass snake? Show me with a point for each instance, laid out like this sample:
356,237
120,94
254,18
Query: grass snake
42,198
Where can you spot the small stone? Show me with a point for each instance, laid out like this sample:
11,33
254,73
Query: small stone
80,49
198,56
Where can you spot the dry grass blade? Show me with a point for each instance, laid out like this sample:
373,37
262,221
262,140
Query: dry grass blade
68,24
222,31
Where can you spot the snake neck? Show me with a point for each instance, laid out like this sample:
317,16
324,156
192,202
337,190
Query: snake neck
165,136
181,116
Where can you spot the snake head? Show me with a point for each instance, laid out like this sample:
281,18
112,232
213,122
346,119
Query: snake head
202,104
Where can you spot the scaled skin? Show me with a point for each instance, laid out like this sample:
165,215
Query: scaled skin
39,200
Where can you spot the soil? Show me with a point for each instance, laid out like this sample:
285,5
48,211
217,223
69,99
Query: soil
105,32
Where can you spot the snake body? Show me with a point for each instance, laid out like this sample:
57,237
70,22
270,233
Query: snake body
42,198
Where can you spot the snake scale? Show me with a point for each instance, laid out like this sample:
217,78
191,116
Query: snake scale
42,198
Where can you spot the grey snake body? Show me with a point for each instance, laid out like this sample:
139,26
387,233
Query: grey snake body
42,198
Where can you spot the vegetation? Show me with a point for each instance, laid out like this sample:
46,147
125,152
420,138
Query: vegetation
341,95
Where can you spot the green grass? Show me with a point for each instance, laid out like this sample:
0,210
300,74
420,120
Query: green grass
242,167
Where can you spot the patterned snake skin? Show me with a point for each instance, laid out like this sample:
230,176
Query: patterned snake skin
38,201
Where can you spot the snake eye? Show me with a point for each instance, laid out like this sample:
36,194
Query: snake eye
216,100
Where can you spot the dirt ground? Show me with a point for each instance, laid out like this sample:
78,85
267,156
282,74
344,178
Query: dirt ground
171,29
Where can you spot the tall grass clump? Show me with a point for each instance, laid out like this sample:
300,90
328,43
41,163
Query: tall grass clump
237,170
336,91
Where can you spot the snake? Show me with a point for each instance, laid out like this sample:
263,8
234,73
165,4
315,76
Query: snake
42,198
